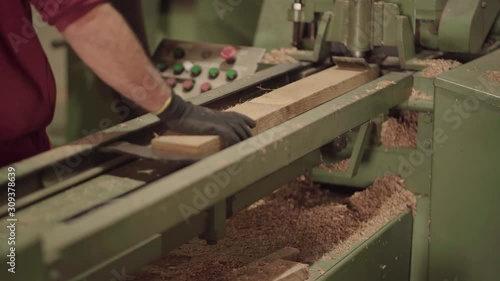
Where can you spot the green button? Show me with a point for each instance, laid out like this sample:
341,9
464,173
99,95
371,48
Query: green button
213,73
231,74
178,68
161,66
179,53
195,70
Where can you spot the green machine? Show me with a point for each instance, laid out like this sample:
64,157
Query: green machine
85,213
363,26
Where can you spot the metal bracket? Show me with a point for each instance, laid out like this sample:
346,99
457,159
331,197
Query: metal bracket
321,47
357,152
405,44
216,223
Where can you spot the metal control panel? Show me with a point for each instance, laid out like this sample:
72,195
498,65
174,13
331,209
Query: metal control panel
192,68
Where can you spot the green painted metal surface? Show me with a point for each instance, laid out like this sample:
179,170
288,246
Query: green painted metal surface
421,240
465,24
465,226
384,256
219,21
471,80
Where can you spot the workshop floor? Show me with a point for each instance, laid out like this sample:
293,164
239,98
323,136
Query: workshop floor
57,59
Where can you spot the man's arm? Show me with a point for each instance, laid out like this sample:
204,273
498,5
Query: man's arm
104,41
108,46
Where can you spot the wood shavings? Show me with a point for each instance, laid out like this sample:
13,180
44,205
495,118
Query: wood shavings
341,166
278,56
381,85
493,76
302,215
436,67
418,95
400,132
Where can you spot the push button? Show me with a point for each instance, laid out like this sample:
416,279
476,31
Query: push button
231,74
171,82
187,85
213,73
229,54
195,70
161,66
179,53
178,68
206,87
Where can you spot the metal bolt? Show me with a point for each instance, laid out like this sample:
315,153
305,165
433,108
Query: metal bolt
484,4
427,143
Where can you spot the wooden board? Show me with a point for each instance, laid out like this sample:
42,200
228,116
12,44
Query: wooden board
277,107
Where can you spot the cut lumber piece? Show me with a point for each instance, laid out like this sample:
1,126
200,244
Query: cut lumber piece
277,106
196,145
278,270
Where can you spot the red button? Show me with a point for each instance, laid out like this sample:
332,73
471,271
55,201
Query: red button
206,87
188,85
229,53
171,82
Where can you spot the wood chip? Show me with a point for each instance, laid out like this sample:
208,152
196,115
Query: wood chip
278,56
400,132
418,95
341,166
493,76
381,85
437,67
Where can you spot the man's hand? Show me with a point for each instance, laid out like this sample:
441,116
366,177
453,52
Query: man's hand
184,117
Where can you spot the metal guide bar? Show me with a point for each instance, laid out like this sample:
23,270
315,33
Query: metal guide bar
77,245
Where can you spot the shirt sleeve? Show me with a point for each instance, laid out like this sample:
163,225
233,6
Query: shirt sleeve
62,13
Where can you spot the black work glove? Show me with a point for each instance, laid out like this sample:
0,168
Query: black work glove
186,118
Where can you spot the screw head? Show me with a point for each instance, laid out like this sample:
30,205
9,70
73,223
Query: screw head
427,144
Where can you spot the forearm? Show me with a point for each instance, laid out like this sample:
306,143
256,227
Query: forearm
108,46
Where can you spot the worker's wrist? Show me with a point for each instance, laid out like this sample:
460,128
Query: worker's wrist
165,105
175,109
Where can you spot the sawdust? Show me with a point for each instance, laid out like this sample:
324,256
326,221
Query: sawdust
341,166
278,56
388,210
437,67
493,76
301,215
400,132
381,85
418,95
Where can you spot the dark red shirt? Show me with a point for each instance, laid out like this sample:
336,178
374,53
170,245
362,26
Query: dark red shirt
27,87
